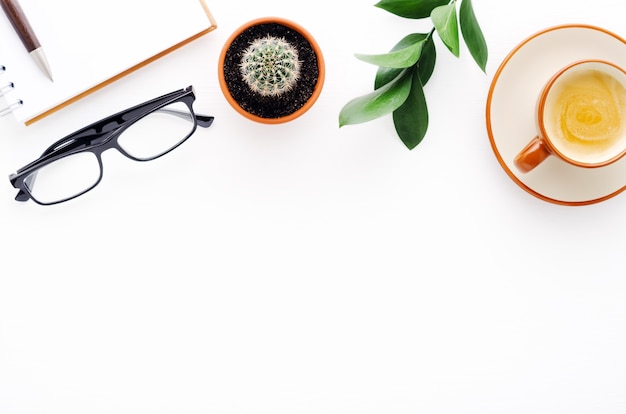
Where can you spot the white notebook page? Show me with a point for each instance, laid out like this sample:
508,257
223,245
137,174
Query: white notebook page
87,43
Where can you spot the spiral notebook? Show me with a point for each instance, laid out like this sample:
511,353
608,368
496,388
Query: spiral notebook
89,45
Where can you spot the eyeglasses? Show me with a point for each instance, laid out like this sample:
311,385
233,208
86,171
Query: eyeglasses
73,165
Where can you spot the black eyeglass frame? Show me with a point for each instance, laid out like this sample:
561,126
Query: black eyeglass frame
102,135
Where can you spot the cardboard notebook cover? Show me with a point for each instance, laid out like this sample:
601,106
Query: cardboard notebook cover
90,45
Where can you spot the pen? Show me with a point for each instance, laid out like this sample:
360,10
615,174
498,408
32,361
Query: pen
20,23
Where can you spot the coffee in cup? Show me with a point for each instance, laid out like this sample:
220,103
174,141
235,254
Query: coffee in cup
581,117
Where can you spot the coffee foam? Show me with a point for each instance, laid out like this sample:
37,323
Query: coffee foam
585,113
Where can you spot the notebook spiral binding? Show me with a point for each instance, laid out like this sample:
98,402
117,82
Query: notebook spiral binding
4,89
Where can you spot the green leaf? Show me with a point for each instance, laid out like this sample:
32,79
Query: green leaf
384,75
412,9
404,55
445,21
472,34
426,63
411,118
378,103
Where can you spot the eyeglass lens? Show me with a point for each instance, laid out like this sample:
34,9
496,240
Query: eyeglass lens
146,139
158,132
64,178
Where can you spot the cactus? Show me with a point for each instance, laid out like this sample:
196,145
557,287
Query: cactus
270,66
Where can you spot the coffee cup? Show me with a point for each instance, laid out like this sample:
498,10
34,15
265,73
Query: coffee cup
580,117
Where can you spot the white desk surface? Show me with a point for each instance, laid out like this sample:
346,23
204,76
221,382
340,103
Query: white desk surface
303,268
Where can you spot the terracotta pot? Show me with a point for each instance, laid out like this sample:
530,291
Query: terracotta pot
228,88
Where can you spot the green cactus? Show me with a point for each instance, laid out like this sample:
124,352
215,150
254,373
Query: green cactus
270,66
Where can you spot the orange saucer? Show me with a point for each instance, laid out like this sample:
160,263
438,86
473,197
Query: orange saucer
511,112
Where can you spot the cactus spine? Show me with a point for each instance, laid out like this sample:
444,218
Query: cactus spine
270,66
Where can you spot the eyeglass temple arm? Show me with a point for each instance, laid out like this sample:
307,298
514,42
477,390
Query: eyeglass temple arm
204,121
87,135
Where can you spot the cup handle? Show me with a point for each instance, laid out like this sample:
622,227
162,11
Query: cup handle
532,155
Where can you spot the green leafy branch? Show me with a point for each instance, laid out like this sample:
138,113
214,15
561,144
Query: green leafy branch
407,67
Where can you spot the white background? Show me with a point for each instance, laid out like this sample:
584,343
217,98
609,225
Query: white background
303,268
